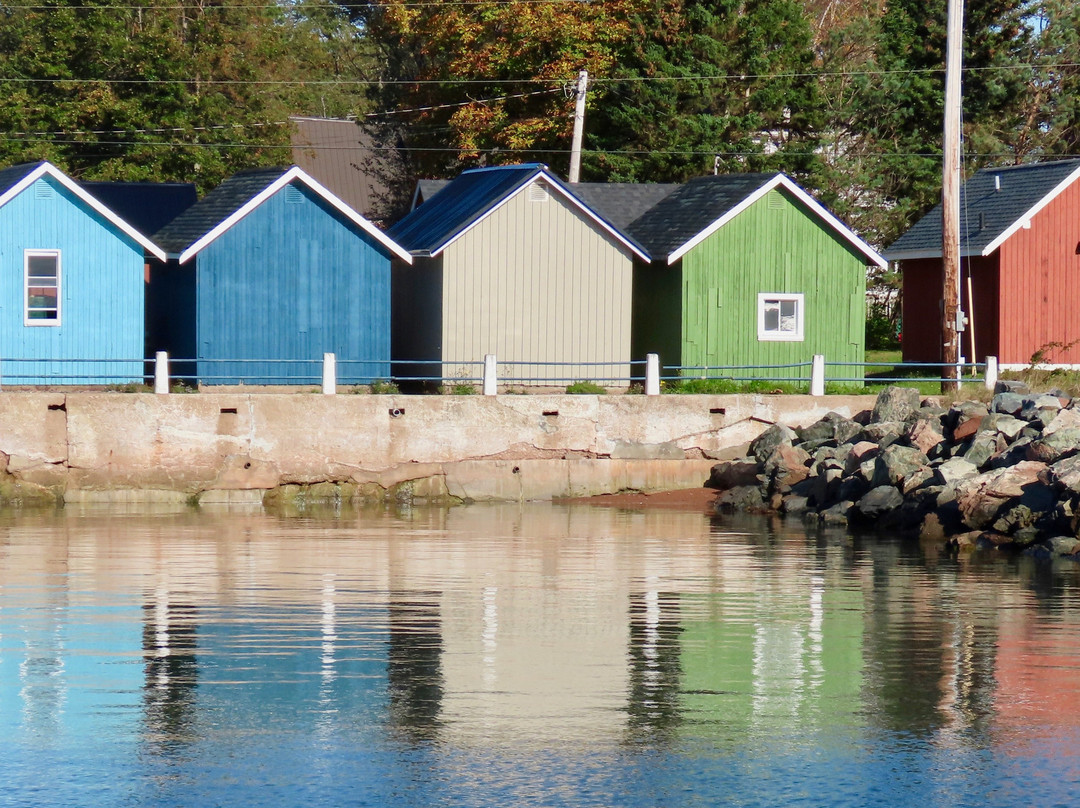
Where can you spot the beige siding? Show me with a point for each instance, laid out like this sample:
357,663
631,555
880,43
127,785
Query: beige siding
538,282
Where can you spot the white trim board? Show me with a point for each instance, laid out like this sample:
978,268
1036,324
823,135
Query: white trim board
294,173
47,168
556,185
781,180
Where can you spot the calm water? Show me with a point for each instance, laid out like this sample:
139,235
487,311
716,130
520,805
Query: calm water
524,656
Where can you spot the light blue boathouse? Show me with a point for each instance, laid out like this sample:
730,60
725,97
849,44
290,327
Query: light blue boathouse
71,283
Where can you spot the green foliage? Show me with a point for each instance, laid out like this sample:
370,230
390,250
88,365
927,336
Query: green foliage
382,388
730,386
881,331
462,390
112,91
672,103
585,388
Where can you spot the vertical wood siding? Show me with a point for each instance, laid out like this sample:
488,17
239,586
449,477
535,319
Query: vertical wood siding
293,280
1040,285
922,308
101,292
537,282
775,245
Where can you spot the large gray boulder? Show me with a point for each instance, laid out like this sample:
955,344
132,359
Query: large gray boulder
895,404
897,463
877,502
767,442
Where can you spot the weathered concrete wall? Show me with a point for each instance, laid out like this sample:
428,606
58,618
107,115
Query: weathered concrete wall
239,447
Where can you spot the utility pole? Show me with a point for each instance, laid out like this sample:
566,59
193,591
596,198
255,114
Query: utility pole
950,202
579,126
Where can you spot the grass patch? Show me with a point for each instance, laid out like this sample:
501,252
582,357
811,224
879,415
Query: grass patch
585,388
381,388
730,386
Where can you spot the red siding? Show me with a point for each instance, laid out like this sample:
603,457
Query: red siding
1040,284
922,308
921,324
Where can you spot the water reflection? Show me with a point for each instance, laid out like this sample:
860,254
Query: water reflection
527,655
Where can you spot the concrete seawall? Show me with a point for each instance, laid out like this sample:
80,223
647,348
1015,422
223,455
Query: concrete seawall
241,447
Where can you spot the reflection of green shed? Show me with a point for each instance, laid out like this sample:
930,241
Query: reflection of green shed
748,269
771,662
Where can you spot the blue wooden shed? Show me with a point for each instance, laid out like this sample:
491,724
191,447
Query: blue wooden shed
71,283
267,273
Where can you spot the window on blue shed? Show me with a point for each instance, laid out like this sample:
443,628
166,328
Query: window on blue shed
780,317
42,283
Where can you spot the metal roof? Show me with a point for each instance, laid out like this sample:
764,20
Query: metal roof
474,195
346,160
147,206
994,203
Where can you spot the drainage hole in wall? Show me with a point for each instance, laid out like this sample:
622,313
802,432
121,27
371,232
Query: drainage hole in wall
58,408
396,412
247,465
717,411
516,470
551,413
228,410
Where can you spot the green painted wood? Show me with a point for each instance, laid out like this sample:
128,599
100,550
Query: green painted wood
776,246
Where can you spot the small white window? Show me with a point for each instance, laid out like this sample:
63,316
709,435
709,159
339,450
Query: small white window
780,317
42,286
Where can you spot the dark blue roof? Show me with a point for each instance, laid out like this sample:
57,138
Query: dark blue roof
460,204
991,202
146,206
12,175
214,208
687,211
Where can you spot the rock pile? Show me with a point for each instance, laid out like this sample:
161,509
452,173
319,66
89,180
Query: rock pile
1001,475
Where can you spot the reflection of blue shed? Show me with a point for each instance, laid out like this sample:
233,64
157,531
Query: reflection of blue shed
266,274
71,283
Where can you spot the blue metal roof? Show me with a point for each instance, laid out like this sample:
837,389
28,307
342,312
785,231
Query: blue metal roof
146,206
461,203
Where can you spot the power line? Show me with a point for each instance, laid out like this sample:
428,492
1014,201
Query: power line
494,150
496,80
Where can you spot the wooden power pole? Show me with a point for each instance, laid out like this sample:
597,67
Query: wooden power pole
579,127
950,202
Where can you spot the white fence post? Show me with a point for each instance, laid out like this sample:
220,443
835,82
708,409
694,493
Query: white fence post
652,374
817,375
491,380
329,374
161,373
991,372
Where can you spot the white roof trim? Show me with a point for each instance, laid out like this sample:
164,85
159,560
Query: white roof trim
556,185
295,173
802,196
85,196
1028,214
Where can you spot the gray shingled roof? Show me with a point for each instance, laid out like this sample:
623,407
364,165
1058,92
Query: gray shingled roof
988,208
621,202
214,208
11,176
425,189
687,211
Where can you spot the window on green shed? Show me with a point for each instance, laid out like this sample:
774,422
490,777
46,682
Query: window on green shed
780,317
42,285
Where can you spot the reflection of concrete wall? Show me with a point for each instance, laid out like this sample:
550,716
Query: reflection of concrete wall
87,446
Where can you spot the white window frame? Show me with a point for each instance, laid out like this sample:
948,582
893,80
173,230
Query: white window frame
765,335
39,321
